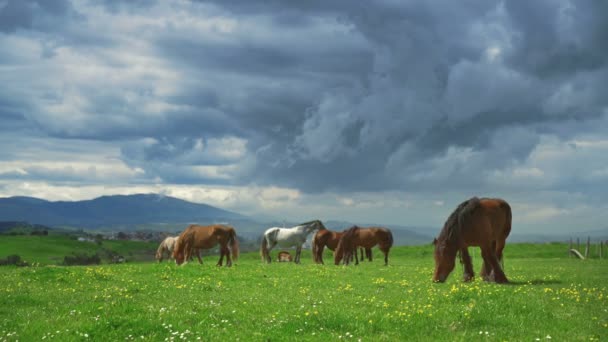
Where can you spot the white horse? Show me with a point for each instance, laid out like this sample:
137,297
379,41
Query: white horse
166,246
287,237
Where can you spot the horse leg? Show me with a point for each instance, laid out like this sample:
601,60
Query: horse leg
187,253
486,268
384,250
469,274
489,257
270,247
220,261
368,253
361,253
356,257
498,271
499,248
320,255
298,252
198,256
227,253
228,258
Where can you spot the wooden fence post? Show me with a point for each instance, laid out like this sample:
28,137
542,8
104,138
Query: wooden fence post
570,248
601,248
588,247
578,244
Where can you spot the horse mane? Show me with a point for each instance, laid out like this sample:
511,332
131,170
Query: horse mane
309,223
460,215
348,234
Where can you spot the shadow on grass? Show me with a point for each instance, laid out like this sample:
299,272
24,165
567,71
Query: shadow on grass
534,282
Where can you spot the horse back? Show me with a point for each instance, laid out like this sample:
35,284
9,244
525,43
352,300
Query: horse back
371,236
497,212
205,236
328,238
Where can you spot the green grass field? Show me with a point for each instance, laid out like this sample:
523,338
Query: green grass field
551,297
50,250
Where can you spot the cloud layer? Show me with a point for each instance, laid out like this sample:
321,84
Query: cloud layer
433,101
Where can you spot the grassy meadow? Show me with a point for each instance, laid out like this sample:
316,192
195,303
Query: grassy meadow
551,297
50,250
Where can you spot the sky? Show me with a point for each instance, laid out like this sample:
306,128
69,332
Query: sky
387,112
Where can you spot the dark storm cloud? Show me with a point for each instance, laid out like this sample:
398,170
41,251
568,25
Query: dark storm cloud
115,6
554,41
33,14
321,95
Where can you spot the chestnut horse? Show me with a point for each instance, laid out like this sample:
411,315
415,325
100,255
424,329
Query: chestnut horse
362,237
485,223
204,237
328,238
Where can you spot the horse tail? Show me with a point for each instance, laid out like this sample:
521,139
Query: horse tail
509,218
234,244
390,238
315,248
264,248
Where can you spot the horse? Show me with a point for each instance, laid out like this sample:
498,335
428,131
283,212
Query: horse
328,238
196,237
287,237
284,256
362,237
166,246
485,223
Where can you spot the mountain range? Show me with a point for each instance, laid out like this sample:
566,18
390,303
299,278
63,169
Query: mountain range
165,213
153,212
111,210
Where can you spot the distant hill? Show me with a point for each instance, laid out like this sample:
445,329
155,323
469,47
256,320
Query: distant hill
111,210
24,227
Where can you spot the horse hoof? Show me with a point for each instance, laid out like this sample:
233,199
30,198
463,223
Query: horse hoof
501,280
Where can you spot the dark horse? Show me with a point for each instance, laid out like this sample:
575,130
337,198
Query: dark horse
362,237
204,237
330,239
482,222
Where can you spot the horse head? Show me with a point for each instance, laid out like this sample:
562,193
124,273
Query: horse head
445,260
178,252
312,226
319,225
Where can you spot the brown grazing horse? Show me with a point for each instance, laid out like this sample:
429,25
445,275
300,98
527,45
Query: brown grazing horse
330,239
204,237
485,223
362,237
324,238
